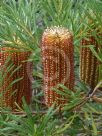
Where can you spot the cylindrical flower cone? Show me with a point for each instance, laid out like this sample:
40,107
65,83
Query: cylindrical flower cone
88,62
58,62
22,87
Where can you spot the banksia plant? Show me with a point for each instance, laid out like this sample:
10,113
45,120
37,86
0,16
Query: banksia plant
88,62
22,87
58,63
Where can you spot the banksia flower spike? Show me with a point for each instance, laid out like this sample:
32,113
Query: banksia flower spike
88,62
58,62
22,87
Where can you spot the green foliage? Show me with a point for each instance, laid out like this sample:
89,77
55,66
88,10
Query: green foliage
32,125
21,27
18,24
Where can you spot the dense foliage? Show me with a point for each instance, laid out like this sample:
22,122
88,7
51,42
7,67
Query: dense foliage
25,20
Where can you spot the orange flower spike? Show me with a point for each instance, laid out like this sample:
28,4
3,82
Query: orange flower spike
58,62
22,87
88,63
